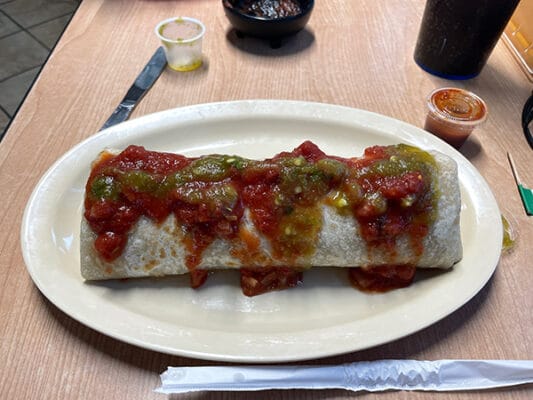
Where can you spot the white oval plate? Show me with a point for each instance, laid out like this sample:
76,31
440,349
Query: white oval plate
325,316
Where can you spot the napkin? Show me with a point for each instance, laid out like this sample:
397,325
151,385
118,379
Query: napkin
372,376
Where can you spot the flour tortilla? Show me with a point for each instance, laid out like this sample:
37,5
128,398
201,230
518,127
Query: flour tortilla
157,250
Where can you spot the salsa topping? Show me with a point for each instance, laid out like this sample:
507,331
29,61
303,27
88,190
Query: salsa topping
270,9
390,191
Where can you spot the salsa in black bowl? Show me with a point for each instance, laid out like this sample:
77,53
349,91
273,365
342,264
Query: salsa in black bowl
268,19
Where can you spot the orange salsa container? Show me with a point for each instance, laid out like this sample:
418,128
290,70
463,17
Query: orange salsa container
453,114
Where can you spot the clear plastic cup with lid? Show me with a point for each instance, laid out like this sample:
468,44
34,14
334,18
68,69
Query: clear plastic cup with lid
182,40
453,114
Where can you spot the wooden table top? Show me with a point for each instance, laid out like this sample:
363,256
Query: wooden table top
356,54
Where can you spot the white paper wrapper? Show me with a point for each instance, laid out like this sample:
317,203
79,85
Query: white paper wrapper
442,375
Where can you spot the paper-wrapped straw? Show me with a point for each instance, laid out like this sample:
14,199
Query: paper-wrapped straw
442,375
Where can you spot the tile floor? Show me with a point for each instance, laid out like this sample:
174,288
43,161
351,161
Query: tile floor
29,29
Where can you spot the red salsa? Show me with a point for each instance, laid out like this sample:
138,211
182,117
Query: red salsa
269,9
382,278
389,191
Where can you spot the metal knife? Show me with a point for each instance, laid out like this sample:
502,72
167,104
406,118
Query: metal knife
142,84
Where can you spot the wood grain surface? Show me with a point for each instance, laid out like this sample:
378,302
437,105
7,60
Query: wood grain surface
352,53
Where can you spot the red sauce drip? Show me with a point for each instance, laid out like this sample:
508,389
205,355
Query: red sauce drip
198,277
382,278
255,281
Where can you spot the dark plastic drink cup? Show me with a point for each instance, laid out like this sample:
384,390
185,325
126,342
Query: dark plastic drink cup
456,37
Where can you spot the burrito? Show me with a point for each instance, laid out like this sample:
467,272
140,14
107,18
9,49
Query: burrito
382,215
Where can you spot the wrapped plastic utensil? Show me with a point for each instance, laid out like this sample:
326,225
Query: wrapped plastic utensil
441,375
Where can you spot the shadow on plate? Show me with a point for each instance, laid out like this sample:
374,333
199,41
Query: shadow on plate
423,274
316,278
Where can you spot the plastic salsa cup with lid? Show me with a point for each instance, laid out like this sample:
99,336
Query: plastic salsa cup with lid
453,114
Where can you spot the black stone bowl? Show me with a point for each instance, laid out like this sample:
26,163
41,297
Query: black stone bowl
273,29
